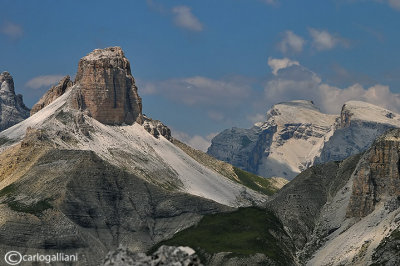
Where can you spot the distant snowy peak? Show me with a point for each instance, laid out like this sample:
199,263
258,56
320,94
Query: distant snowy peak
298,112
357,110
297,134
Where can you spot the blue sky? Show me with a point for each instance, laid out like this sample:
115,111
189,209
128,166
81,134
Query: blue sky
203,66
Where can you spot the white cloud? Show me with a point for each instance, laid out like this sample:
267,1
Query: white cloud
200,91
184,18
291,42
256,118
197,142
298,82
11,30
43,81
323,40
277,64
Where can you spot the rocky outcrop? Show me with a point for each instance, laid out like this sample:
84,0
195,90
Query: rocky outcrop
165,255
106,88
156,128
388,251
377,178
52,94
12,107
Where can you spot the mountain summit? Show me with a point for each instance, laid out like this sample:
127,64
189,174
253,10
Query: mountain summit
106,87
297,134
12,107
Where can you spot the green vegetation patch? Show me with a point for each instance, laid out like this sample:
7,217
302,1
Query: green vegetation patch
35,209
255,182
244,232
7,190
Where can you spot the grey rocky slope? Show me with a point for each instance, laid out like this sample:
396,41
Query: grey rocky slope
340,213
69,182
337,213
165,255
296,135
70,200
12,107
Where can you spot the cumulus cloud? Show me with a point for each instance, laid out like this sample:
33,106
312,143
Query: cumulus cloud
43,81
11,30
184,18
291,42
200,91
197,142
323,40
297,82
277,64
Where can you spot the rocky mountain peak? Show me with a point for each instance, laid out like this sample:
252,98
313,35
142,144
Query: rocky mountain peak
106,87
363,111
12,107
52,94
298,111
6,83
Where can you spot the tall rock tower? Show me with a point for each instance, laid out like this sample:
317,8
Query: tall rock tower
12,108
106,88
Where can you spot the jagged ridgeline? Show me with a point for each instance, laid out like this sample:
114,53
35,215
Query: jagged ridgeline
297,135
88,171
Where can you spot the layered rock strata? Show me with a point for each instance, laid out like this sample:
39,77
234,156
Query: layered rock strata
106,88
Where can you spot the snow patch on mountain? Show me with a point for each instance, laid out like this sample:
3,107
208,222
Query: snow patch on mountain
132,148
297,135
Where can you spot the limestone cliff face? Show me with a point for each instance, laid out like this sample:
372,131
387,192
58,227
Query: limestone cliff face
12,107
377,177
107,89
52,94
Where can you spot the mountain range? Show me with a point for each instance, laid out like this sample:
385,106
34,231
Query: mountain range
88,173
297,135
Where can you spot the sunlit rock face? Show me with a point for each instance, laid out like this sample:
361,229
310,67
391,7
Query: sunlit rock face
107,89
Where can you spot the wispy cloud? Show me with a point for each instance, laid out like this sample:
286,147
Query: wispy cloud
323,40
43,81
184,18
198,142
291,42
200,91
298,82
11,30
277,64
